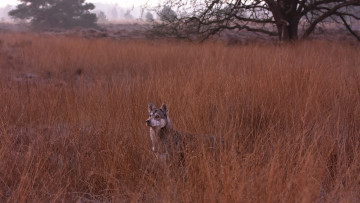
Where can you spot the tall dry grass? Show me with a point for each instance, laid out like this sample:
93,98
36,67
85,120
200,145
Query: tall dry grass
75,130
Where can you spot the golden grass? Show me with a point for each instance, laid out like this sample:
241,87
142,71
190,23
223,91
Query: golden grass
290,113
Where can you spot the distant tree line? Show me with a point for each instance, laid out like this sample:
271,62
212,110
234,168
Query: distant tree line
55,13
67,13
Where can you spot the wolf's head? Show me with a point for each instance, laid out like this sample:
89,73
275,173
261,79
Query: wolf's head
158,117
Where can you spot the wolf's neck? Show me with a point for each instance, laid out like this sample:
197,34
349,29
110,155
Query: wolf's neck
165,130
158,136
162,132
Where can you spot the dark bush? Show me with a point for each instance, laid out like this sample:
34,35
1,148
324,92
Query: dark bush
55,13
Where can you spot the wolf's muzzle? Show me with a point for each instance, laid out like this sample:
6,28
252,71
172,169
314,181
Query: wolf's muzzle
147,122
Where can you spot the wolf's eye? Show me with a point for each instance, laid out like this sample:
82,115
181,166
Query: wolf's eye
157,116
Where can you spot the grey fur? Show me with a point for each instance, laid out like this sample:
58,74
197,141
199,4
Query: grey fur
166,142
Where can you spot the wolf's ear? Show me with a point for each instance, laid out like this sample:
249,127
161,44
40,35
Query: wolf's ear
164,108
151,107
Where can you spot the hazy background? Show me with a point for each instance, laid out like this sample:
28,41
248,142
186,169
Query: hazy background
113,9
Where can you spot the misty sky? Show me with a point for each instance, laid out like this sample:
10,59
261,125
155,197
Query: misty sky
121,3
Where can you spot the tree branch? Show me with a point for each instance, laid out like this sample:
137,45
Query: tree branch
239,27
327,14
349,28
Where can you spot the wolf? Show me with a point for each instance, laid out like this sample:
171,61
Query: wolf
167,143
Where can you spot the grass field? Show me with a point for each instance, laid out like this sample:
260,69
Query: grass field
73,111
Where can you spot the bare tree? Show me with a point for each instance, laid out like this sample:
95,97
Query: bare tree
149,17
101,17
282,18
127,14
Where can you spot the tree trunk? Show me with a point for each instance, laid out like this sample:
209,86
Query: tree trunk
288,29
286,18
